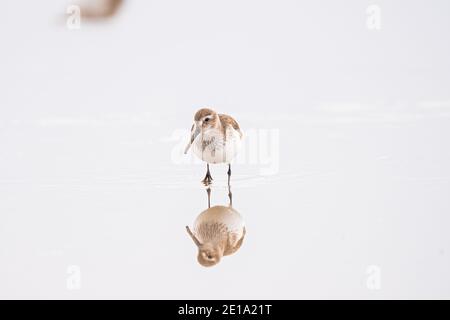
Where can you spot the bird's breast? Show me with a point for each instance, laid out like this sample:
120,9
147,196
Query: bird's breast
216,146
218,221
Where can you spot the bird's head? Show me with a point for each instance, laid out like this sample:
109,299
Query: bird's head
209,255
204,119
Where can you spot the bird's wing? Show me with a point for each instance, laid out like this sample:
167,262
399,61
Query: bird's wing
227,120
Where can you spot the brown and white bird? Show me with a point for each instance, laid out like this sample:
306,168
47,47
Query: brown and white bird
218,231
215,138
99,9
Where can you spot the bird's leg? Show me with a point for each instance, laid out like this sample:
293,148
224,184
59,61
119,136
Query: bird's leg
208,179
230,195
208,191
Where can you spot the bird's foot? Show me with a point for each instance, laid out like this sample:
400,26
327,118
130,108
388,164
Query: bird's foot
207,181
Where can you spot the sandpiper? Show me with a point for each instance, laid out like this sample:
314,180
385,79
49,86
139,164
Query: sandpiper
215,138
103,9
218,231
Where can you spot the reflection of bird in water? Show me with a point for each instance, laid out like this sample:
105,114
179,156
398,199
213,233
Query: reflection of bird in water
218,231
100,9
215,138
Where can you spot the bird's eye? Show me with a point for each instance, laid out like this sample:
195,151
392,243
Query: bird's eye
206,119
209,257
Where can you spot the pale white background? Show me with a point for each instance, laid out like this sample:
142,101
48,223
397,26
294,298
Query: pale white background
90,127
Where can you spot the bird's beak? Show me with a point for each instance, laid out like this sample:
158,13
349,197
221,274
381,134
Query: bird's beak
194,135
197,243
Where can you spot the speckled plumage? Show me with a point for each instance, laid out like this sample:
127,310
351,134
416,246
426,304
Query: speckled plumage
215,138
